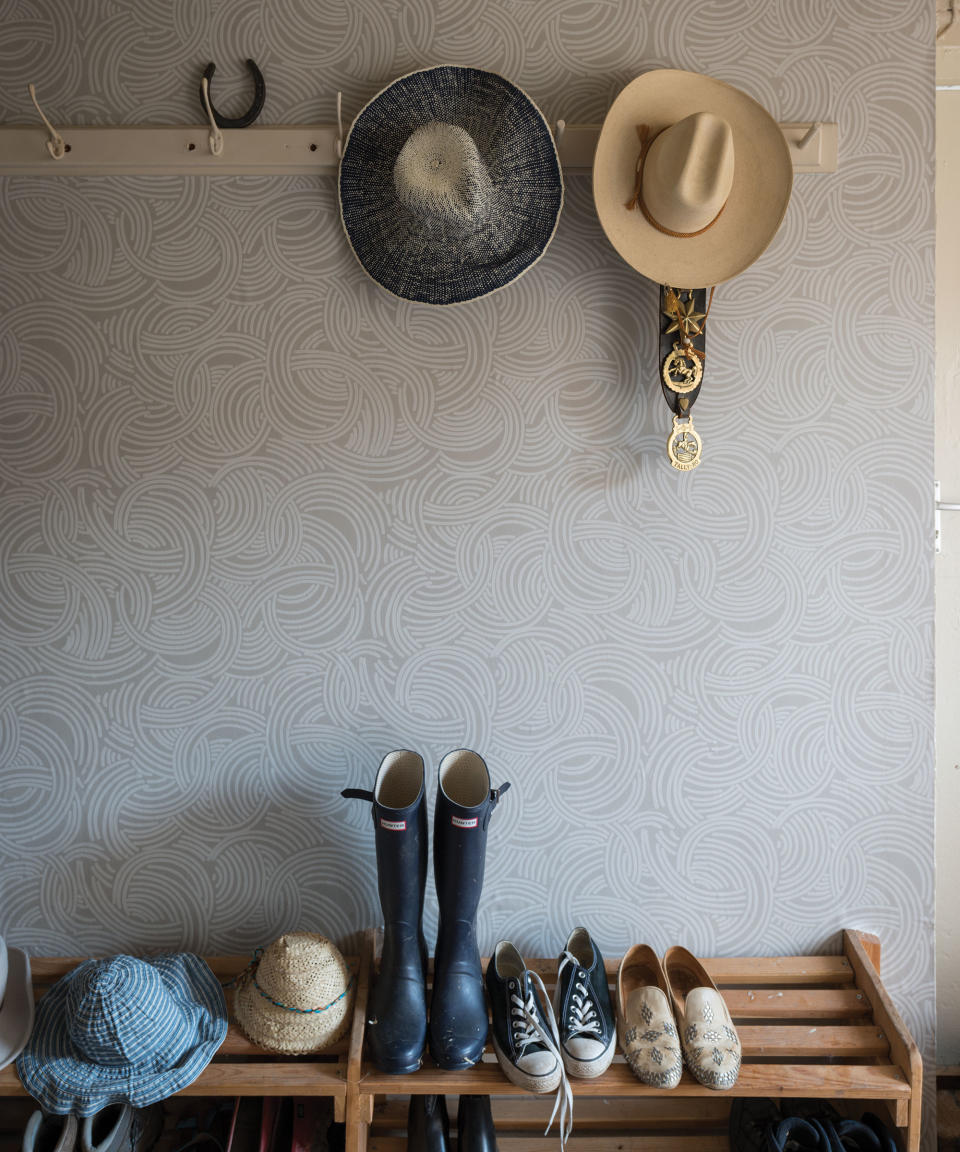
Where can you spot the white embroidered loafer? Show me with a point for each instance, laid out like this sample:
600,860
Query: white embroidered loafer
711,1046
648,1033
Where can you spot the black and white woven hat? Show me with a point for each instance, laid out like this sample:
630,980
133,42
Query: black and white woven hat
450,185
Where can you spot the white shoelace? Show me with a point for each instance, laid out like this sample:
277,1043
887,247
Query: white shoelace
527,1029
583,1017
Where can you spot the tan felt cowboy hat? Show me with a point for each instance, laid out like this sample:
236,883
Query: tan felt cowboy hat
691,178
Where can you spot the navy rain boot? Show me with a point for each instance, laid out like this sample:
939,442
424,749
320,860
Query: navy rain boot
397,1013
458,1010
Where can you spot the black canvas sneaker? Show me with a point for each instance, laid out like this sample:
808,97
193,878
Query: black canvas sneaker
588,1029
525,1036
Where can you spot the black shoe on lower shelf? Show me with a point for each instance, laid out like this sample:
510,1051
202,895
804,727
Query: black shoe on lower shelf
475,1131
751,1119
794,1134
428,1129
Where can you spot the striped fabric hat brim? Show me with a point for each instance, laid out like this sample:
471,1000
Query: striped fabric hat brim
54,1071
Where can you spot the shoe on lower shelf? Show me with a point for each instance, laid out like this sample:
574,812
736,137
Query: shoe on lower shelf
47,1133
751,1119
122,1128
795,1134
428,1127
475,1131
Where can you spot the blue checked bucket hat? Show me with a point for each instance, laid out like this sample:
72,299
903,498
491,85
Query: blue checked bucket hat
450,185
123,1030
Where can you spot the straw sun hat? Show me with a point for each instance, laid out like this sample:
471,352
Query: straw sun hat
691,178
296,996
450,185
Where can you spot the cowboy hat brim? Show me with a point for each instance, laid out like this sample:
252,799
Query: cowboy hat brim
16,1012
762,180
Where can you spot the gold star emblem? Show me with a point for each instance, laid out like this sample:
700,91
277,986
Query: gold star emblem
684,318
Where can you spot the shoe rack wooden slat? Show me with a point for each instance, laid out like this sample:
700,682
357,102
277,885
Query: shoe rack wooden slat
867,1081
700,1142
531,1113
811,1027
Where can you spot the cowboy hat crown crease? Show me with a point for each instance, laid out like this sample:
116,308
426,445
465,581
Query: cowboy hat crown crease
688,173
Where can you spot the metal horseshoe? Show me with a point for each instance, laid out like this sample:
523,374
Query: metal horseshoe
259,95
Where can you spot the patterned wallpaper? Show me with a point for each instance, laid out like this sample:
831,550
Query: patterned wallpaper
261,523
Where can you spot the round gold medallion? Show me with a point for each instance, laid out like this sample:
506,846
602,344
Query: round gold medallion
684,444
682,370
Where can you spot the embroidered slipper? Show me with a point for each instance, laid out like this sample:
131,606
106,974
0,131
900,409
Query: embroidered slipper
648,1032
711,1046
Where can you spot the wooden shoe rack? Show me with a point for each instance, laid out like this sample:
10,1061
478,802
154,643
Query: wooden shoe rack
811,1026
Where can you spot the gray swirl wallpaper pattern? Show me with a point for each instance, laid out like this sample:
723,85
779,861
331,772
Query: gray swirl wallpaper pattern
262,523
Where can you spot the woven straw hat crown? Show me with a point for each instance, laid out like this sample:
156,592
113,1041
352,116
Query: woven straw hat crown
299,995
302,971
440,173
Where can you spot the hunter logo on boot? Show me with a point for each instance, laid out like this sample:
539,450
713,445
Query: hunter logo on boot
457,822
393,825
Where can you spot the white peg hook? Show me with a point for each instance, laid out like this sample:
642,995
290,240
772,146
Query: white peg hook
558,134
216,136
55,145
339,125
810,133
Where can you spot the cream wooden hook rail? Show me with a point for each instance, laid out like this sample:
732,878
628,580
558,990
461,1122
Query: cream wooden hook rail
280,150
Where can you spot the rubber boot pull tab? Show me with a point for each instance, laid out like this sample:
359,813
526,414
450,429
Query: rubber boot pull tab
357,794
495,794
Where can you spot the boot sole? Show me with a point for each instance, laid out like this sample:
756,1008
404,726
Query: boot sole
455,1066
388,1068
515,1075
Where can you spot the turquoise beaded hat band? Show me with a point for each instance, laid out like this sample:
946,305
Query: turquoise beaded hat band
251,973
